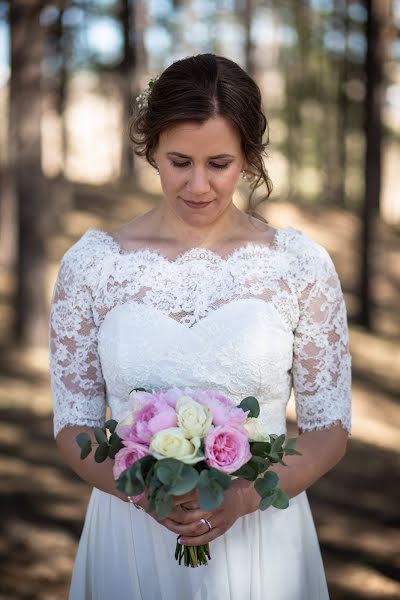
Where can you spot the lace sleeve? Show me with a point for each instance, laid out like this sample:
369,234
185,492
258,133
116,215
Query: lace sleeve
77,384
321,360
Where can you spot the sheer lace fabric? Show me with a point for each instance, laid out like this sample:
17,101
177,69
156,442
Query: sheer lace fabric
258,321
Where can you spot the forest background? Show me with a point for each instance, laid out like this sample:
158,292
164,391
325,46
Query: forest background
329,72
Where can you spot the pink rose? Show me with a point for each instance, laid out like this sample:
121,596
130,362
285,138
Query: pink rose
171,395
227,448
223,410
151,416
127,456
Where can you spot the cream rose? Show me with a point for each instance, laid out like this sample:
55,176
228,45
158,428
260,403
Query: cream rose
193,418
172,443
255,430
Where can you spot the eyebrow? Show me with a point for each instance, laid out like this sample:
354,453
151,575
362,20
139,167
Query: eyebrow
212,157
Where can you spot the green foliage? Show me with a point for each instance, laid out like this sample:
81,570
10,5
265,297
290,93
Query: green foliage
111,424
251,404
281,499
177,477
101,452
100,435
163,503
211,491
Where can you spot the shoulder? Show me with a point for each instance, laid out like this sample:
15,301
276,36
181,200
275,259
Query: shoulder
86,256
309,260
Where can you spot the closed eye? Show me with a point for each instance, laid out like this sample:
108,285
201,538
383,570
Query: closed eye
181,165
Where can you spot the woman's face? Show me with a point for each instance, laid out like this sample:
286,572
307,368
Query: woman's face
199,163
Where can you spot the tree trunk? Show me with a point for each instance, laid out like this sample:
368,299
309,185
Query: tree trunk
377,11
31,323
127,70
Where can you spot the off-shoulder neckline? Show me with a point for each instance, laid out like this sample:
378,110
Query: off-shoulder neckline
196,252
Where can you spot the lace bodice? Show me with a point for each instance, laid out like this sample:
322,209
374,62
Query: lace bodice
259,321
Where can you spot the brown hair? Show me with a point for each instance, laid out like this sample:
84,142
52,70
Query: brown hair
198,88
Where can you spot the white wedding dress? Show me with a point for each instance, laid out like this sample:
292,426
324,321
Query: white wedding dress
255,322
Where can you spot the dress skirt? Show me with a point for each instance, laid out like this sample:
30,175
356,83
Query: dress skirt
124,554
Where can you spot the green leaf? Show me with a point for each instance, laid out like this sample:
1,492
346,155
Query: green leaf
277,444
265,484
129,483
163,503
281,499
223,479
168,470
260,448
290,444
211,496
101,452
251,404
86,449
177,477
274,457
267,500
100,435
115,443
248,471
111,424
82,439
185,482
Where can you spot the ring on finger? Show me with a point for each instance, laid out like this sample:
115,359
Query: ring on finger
206,521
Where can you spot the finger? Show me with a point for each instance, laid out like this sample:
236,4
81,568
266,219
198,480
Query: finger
190,529
190,505
198,540
189,497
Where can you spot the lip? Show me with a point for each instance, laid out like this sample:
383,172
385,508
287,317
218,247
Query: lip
196,204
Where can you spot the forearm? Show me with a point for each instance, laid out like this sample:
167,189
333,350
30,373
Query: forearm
320,452
99,475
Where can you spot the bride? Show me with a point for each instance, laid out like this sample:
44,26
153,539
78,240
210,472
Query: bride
198,293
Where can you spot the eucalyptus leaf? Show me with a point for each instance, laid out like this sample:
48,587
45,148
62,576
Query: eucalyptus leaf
260,448
211,496
277,444
111,425
265,484
185,482
267,500
251,404
163,503
281,499
100,435
247,471
223,479
86,449
101,452
82,439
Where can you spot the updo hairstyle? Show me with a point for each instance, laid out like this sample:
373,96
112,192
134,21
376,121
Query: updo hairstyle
198,88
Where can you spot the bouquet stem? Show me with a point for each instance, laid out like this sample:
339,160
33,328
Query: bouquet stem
192,556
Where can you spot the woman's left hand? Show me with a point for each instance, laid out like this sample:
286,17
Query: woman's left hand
235,505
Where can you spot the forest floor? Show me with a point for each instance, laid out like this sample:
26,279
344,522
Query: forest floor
355,506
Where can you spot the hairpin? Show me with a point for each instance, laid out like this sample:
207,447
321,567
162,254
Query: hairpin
143,97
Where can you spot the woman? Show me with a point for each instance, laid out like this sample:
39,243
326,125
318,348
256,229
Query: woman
198,293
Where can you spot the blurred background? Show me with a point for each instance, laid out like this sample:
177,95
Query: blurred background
329,72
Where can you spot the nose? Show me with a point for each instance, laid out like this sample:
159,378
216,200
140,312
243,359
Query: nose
198,182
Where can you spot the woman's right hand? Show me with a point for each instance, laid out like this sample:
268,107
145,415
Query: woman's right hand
183,521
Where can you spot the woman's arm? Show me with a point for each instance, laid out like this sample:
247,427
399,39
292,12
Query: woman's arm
99,475
321,451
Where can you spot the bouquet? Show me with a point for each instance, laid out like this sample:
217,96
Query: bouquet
175,441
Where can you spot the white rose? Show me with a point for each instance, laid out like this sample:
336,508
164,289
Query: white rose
193,418
126,421
255,429
172,443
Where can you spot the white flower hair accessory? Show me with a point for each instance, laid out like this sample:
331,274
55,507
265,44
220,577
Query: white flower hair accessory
143,97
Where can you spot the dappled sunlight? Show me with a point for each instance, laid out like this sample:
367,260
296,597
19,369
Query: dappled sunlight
354,505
